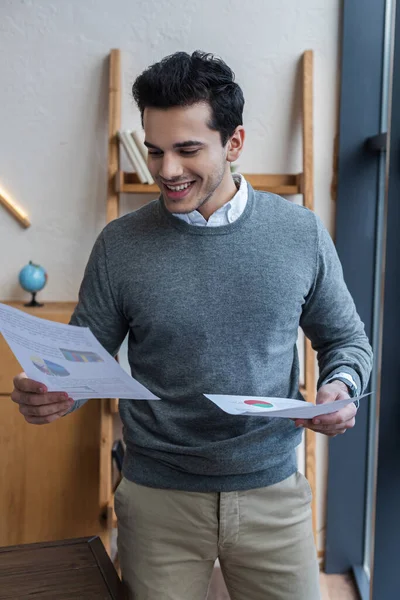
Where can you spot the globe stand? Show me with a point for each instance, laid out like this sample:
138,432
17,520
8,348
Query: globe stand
33,302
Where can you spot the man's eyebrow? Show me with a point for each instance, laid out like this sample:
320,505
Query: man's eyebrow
148,145
186,144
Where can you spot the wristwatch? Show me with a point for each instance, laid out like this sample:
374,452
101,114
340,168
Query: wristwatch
349,382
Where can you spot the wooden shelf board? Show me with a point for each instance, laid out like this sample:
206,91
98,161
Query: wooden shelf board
287,185
140,188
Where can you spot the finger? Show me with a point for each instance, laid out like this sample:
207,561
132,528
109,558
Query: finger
44,420
324,428
329,432
332,429
38,399
22,383
45,410
347,425
341,416
332,435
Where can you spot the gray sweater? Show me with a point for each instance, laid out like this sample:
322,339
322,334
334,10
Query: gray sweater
217,310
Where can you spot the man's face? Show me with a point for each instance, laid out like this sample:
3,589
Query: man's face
186,157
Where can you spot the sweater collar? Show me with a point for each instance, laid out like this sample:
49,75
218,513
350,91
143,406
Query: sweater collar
220,230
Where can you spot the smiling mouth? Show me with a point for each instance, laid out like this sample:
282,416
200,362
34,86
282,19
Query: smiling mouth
178,191
179,187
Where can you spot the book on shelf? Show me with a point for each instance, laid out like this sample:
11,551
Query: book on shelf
126,141
136,156
143,153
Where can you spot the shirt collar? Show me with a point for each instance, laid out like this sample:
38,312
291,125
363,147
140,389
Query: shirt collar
228,213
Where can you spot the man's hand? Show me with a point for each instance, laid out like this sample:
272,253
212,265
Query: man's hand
334,423
37,404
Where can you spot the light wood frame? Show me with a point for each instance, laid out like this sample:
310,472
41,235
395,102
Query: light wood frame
284,184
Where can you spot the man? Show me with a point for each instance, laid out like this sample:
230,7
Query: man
211,282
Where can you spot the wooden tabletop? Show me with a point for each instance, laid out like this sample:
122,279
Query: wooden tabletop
77,568
37,311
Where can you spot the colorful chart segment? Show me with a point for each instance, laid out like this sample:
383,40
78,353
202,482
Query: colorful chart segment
48,367
78,356
259,403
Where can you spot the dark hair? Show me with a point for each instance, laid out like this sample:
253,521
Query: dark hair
182,79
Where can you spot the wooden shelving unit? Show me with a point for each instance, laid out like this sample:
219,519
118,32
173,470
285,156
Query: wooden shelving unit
284,185
120,182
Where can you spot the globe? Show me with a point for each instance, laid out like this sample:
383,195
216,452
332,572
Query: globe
32,278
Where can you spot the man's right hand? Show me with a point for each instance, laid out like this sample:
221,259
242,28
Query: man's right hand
37,404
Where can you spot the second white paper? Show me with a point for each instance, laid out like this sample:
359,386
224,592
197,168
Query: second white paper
264,406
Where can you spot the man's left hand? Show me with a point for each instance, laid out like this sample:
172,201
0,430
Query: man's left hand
334,423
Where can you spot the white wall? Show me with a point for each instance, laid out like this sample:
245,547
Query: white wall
53,118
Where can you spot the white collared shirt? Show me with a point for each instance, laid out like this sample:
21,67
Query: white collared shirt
228,213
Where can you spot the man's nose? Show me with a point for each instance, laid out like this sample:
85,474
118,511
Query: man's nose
171,167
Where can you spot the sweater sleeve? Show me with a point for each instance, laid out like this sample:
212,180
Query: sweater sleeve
97,307
331,322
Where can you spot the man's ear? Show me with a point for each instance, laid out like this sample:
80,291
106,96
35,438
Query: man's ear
235,144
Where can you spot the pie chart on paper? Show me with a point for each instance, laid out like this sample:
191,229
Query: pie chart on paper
48,367
259,403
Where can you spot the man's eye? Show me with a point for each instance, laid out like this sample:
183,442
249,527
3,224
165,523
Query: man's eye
189,152
155,153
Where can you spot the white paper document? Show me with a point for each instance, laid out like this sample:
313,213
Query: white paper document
289,408
67,358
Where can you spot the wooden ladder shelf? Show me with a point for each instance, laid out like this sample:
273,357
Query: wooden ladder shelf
286,184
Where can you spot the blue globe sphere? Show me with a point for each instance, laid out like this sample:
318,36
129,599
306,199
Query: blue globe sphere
32,278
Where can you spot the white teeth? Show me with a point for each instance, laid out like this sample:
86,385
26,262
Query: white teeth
178,188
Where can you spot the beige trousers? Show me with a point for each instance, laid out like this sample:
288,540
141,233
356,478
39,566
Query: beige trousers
169,540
